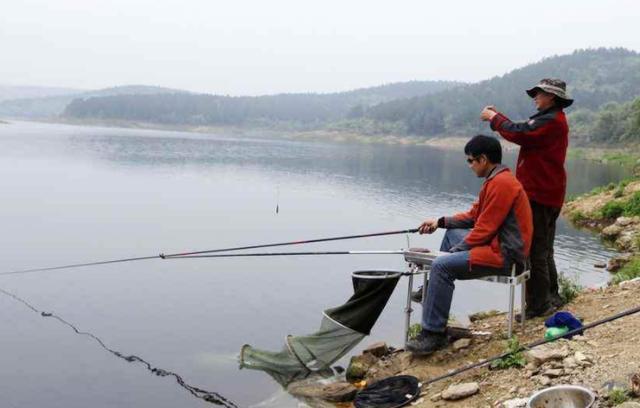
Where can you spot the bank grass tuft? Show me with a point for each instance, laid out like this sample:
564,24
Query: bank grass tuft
568,288
630,271
618,396
514,359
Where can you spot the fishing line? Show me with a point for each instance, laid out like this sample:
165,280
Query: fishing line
164,256
209,396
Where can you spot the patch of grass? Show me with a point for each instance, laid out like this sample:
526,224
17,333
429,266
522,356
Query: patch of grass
612,210
618,396
514,359
632,207
628,272
619,192
577,216
414,330
568,288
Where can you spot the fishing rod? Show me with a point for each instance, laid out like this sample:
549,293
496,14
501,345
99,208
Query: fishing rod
182,254
309,241
537,343
258,254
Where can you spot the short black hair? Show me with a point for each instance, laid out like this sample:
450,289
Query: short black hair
487,145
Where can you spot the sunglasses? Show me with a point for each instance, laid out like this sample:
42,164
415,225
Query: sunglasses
472,160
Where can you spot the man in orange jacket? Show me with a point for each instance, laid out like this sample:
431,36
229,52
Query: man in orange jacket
543,141
486,240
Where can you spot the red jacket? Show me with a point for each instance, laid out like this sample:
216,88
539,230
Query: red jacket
543,144
501,222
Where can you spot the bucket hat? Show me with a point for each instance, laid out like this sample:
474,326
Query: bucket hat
556,87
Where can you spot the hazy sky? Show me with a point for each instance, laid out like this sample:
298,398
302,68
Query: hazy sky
269,46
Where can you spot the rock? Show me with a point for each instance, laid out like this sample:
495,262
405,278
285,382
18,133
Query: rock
581,358
461,344
436,397
600,265
483,315
514,403
635,384
460,391
541,355
626,221
359,366
612,231
630,283
553,372
378,349
618,261
544,381
335,392
570,363
629,404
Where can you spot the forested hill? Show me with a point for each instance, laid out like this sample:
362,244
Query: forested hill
595,78
44,103
202,109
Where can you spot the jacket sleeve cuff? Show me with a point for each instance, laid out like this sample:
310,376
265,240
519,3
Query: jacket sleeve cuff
497,119
441,222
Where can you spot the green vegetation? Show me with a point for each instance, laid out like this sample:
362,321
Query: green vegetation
515,358
568,288
595,77
615,208
617,396
289,111
577,217
612,210
628,272
603,81
613,123
414,330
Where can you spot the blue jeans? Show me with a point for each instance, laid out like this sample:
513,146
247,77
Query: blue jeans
444,271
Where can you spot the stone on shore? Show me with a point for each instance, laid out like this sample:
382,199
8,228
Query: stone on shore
359,366
336,392
515,403
541,355
460,391
461,344
378,349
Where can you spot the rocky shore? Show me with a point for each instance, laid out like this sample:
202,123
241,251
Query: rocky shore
605,359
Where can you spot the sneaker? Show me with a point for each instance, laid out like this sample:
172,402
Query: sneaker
416,295
426,343
533,313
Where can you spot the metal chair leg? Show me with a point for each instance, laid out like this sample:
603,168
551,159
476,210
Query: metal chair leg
511,302
408,309
523,303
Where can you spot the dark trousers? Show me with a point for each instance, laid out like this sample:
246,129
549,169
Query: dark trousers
543,285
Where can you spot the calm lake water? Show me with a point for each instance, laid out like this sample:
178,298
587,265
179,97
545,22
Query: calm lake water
77,194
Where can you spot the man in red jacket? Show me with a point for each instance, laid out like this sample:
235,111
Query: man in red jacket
543,141
486,240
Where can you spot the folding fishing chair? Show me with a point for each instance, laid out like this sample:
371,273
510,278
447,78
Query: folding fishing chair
419,262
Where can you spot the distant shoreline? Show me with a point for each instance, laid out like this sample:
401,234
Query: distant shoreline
628,156
318,135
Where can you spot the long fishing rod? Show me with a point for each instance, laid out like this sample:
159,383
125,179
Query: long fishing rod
534,344
309,241
163,256
258,254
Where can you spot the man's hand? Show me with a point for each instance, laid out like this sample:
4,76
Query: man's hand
428,227
488,113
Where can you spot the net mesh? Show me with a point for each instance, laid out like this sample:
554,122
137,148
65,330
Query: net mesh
341,329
